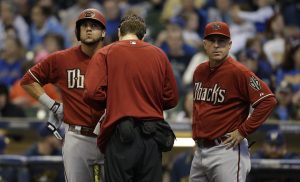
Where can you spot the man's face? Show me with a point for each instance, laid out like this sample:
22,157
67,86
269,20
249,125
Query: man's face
91,32
217,47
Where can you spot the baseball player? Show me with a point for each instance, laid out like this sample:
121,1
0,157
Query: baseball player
224,90
66,69
136,81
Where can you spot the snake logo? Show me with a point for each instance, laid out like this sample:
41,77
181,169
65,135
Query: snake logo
89,14
254,83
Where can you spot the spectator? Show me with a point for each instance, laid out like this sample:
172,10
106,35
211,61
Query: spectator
290,69
190,35
42,23
10,17
153,18
285,109
7,109
274,147
221,12
47,145
275,45
112,13
258,17
11,61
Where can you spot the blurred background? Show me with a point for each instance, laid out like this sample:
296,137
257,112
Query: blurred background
265,36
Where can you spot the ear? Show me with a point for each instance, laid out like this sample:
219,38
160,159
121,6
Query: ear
103,33
230,43
204,43
119,34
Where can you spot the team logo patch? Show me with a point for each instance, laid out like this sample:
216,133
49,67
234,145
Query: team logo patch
89,14
254,83
216,26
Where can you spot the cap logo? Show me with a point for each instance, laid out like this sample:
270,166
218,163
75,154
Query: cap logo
216,27
89,14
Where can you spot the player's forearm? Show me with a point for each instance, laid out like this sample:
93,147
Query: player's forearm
34,89
260,114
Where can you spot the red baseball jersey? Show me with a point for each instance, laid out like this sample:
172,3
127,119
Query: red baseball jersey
222,99
66,69
135,79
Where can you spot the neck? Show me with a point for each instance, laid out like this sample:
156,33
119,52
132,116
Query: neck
216,63
90,49
129,37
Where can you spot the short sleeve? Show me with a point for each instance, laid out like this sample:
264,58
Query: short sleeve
253,88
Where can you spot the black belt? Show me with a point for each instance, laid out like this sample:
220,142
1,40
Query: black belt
205,143
86,131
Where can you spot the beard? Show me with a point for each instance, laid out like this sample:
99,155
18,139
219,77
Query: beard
92,42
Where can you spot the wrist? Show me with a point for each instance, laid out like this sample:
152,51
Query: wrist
46,101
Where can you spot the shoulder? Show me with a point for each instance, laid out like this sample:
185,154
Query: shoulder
202,66
63,53
238,68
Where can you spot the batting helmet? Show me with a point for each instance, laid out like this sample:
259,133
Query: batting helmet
92,14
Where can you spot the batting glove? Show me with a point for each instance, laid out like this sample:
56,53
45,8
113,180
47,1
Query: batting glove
54,124
55,107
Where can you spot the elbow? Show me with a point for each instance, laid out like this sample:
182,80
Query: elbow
171,104
274,102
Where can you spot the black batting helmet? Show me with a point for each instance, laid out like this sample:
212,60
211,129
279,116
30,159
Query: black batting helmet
92,14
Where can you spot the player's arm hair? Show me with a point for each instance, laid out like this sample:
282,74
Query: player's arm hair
34,89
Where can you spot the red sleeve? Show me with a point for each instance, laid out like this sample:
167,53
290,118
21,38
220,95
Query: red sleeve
260,97
44,72
170,92
96,81
253,88
261,112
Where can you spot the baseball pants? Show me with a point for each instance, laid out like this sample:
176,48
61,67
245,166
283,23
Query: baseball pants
218,164
81,158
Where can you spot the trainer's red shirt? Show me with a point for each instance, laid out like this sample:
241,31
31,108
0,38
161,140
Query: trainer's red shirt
135,79
222,99
66,69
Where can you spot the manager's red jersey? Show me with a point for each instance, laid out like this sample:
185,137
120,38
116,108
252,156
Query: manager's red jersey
222,99
139,82
66,69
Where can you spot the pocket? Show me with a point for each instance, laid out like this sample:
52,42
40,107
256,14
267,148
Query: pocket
125,130
164,136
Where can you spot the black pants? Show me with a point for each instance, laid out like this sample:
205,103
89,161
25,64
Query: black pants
137,161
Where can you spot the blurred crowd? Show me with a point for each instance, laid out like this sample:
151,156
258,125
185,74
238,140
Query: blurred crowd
265,36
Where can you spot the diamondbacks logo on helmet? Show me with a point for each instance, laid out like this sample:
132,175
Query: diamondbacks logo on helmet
89,14
254,83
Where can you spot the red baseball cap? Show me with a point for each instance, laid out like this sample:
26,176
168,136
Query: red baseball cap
217,28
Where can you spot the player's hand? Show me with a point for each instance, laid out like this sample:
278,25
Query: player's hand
54,124
234,138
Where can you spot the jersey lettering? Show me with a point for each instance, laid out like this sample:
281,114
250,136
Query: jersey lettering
75,79
214,95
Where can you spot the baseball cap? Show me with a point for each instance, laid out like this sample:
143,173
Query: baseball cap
275,137
217,28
